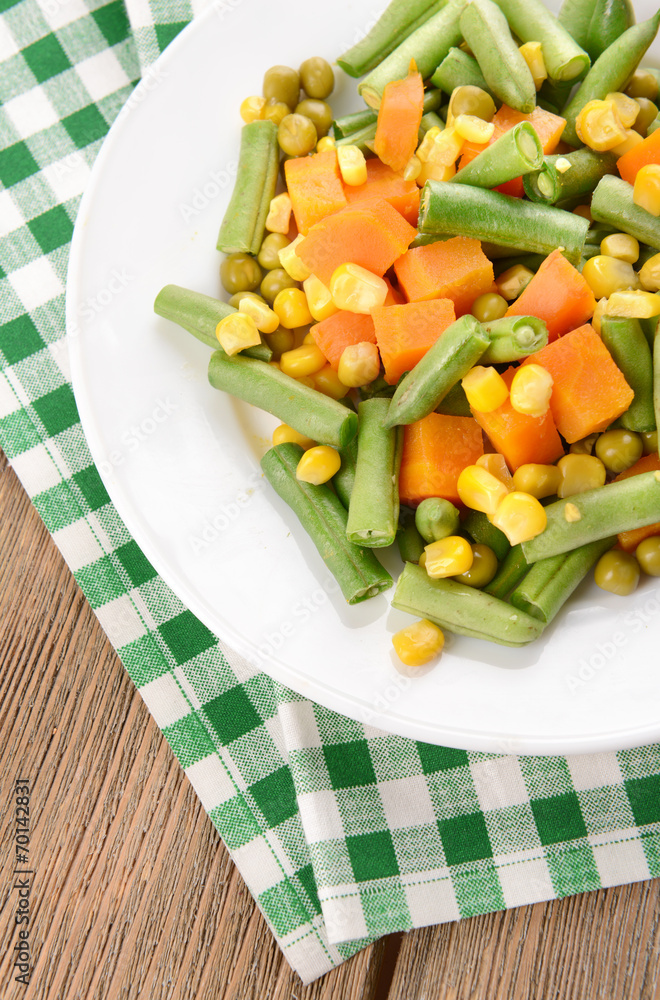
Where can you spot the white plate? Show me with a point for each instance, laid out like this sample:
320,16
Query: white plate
181,461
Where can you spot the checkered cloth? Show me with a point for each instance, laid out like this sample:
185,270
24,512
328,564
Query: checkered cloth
342,832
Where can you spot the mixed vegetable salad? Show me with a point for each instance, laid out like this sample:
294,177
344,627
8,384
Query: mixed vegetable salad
450,300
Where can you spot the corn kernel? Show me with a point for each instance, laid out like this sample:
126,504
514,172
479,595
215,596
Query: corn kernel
531,389
646,189
359,364
571,513
480,489
267,321
627,107
598,125
605,275
532,53
309,338
435,172
562,164
473,129
649,274
419,643
251,108
579,473
325,143
318,465
448,557
305,380
412,169
599,311
538,480
631,140
328,382
426,145
236,332
511,282
357,290
520,516
495,463
291,262
485,388
441,146
352,165
635,304
622,246
422,560
285,434
319,299
278,219
291,306
302,361
584,446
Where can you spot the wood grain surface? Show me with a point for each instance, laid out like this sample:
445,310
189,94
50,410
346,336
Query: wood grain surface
133,894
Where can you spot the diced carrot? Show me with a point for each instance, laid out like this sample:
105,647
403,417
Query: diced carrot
339,331
588,391
519,437
315,187
455,269
372,234
399,115
383,182
394,297
647,151
557,294
436,449
629,540
404,333
547,126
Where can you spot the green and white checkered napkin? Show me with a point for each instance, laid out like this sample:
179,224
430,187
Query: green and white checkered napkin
342,833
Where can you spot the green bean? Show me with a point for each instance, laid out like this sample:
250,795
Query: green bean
477,525
455,403
462,609
373,513
200,314
550,582
429,121
612,202
306,410
344,479
649,327
531,21
436,518
410,542
363,138
427,45
514,153
486,31
585,168
654,125
513,338
610,72
509,222
445,363
509,574
396,23
349,124
320,512
532,261
606,510
555,93
458,69
625,340
656,376
244,222
595,24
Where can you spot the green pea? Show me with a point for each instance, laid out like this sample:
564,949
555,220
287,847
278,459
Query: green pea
642,84
236,299
239,273
317,78
268,256
619,449
297,135
649,441
648,111
436,518
280,342
483,568
318,112
647,554
274,282
488,307
617,572
282,83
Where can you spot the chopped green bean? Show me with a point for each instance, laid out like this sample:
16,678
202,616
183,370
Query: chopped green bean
656,376
462,609
410,542
531,21
244,222
486,31
598,513
625,340
429,121
349,124
344,479
445,363
509,574
373,513
513,338
612,202
550,582
455,403
509,222
532,261
458,69
516,152
595,24
399,19
306,410
363,139
580,172
200,314
477,525
319,510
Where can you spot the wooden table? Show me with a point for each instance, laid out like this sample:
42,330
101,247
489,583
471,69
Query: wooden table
135,895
